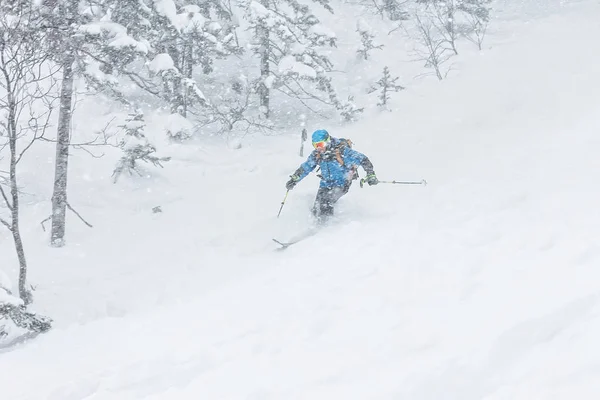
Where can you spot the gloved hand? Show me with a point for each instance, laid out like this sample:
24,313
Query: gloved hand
372,179
294,179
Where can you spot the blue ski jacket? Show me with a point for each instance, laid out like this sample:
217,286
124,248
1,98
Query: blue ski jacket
338,164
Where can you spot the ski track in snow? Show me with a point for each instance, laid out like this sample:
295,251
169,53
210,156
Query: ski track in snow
481,285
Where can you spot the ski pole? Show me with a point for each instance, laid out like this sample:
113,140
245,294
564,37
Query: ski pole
283,203
421,182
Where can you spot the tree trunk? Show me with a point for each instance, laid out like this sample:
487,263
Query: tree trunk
189,68
24,294
263,35
63,136
452,27
177,101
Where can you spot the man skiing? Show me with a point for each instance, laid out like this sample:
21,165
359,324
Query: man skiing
338,164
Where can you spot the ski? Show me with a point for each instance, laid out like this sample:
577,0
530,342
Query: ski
285,245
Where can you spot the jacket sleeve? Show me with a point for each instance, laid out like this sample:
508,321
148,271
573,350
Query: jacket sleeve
306,167
353,157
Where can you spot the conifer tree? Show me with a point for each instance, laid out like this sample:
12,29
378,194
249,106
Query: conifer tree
287,38
136,147
366,38
386,84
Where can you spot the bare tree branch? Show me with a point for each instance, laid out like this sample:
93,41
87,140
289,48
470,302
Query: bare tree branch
44,221
35,136
432,51
78,215
3,222
89,152
478,29
3,193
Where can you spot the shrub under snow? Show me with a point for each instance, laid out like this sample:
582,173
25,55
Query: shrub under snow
15,320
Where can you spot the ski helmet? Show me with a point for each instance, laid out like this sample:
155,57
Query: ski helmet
320,139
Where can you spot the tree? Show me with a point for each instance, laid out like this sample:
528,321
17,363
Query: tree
136,147
448,14
431,47
15,320
366,38
179,38
185,38
68,12
349,110
476,8
115,38
386,84
394,10
176,40
442,14
478,17
84,45
27,96
234,110
287,39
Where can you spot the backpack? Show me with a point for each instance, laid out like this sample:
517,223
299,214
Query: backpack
343,143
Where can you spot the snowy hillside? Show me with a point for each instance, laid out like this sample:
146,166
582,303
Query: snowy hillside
480,285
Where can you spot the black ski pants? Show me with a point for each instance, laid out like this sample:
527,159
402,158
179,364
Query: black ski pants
327,197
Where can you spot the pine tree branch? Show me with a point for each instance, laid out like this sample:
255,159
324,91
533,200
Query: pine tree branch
297,97
134,77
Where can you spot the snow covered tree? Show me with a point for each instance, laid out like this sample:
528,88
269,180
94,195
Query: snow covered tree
477,8
477,14
287,40
431,46
159,45
451,14
178,128
386,84
84,43
394,10
186,36
234,109
366,38
136,147
349,110
62,16
443,14
15,320
110,40
104,40
27,96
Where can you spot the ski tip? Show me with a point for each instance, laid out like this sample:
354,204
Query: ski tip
284,245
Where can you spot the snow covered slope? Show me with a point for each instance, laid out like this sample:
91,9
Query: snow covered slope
481,285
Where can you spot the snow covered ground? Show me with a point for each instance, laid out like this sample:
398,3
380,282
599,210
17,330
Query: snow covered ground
481,285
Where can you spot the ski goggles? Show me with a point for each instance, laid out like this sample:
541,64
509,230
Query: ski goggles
322,145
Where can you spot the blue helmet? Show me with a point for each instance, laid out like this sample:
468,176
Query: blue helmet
320,135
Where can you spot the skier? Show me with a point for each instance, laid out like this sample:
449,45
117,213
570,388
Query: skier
339,164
